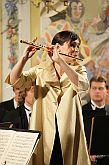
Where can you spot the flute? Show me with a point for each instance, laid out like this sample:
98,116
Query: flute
33,44
71,56
43,46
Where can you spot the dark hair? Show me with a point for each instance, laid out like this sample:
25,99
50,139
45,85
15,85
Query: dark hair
98,79
65,36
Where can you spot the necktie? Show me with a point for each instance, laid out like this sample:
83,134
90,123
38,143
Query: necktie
28,114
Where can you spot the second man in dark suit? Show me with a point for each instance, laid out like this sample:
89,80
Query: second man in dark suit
95,107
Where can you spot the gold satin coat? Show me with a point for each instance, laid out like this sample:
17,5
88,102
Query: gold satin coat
69,114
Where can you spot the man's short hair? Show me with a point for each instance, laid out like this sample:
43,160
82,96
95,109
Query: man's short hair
97,79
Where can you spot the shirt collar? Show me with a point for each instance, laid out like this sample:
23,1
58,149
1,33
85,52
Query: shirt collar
15,104
94,106
27,107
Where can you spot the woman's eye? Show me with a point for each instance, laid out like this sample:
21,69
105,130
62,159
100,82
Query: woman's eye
73,45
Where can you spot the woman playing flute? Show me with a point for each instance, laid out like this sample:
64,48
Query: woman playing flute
57,107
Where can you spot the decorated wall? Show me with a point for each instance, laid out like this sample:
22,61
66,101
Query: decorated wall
89,19
19,19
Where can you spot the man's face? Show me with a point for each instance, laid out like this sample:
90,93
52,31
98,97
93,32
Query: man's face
29,99
98,92
19,94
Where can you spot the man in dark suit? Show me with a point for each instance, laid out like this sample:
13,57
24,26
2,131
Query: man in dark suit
8,108
18,109
95,107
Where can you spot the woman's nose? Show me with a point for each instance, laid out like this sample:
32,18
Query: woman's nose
76,49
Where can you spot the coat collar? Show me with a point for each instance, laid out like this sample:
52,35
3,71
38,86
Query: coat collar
50,77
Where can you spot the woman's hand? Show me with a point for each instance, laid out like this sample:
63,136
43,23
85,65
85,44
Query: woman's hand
30,50
56,57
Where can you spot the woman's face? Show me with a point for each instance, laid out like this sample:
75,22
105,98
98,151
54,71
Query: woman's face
71,50
77,10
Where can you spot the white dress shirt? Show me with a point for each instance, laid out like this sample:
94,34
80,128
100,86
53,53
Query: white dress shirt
15,104
28,112
94,106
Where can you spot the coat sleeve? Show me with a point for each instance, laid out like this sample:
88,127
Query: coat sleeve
83,83
25,80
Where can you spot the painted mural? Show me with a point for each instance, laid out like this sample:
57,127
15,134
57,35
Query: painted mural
12,31
13,28
94,32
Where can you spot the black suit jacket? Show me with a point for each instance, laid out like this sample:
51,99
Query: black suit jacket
7,111
17,116
88,113
20,121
